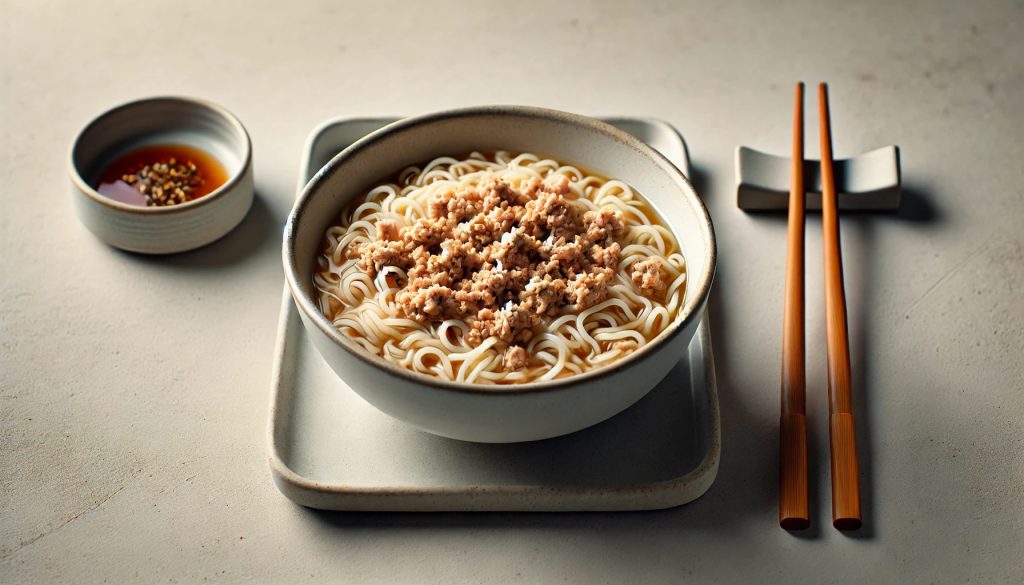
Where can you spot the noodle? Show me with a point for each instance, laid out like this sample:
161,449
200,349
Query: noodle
364,306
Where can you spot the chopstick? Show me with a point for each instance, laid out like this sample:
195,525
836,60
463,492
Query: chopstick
793,507
846,514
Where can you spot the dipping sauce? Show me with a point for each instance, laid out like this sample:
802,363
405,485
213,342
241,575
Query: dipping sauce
162,175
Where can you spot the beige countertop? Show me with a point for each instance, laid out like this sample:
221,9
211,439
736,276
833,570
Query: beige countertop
134,390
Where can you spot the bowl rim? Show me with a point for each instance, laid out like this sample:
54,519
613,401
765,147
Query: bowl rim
313,315
233,181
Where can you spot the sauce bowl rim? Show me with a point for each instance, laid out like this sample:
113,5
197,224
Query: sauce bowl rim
234,179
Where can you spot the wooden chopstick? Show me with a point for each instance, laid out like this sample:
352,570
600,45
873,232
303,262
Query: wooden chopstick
845,477
793,507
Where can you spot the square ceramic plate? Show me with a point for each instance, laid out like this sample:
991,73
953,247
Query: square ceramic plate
329,449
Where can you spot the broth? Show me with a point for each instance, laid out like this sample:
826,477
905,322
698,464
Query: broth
162,175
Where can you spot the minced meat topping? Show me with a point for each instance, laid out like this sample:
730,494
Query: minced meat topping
502,258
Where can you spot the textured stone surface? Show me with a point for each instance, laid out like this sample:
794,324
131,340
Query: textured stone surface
133,390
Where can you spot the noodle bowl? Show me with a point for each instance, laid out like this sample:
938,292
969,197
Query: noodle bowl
620,290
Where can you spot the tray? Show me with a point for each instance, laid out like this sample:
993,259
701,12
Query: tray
331,450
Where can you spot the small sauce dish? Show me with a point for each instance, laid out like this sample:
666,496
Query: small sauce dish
162,175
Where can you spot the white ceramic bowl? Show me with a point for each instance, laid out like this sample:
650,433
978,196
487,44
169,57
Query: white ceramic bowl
163,120
477,412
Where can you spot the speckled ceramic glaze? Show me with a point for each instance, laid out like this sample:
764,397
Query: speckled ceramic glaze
485,413
164,120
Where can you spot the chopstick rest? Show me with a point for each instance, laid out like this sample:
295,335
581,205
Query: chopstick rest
867,182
